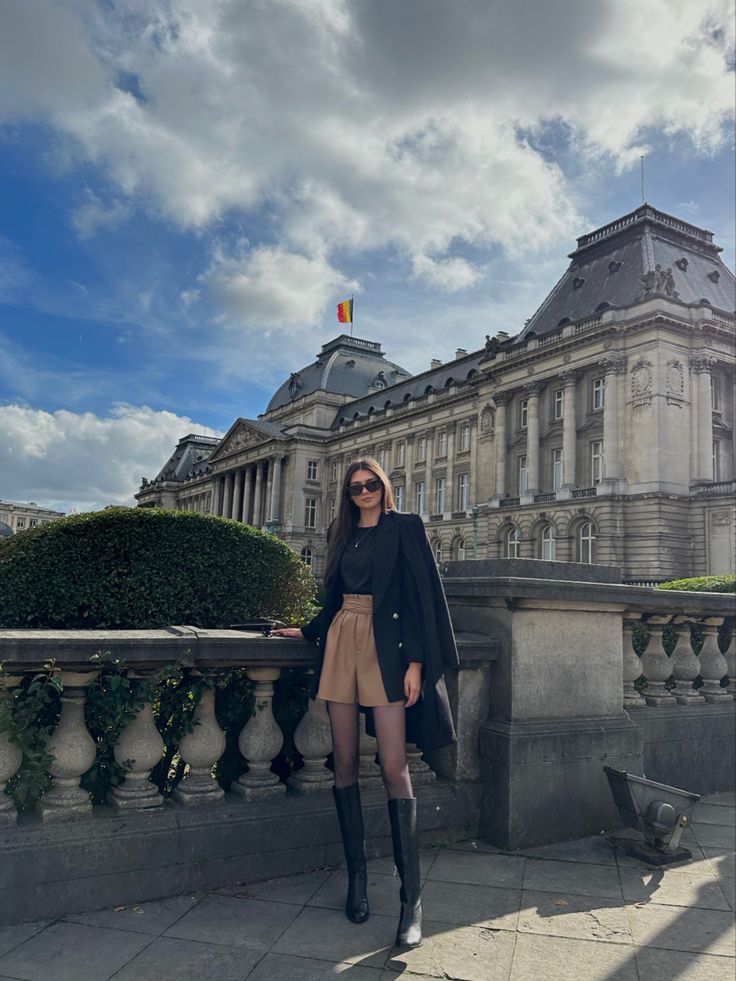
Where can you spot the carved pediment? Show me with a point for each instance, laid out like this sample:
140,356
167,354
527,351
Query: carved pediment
240,437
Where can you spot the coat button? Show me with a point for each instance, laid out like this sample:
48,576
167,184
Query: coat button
400,644
395,616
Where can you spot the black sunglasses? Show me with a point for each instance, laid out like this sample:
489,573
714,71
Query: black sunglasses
371,485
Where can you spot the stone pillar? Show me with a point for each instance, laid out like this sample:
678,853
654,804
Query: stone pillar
613,367
236,507
569,430
500,400
227,500
713,665
275,509
247,495
730,657
313,739
258,497
450,475
201,749
268,485
685,667
260,741
532,437
429,495
11,757
420,772
632,664
74,753
656,666
138,750
700,368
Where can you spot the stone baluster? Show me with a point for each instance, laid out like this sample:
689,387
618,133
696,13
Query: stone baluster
138,750
730,657
313,739
419,771
656,666
632,664
74,752
369,774
713,665
260,741
11,757
201,749
685,666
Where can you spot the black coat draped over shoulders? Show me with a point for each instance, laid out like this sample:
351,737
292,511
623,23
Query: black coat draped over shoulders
411,622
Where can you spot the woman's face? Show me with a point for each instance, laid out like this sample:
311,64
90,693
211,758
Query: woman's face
367,499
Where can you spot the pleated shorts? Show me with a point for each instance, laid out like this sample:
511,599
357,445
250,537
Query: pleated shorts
350,671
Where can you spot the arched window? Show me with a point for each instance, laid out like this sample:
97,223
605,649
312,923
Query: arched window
512,542
407,397
548,543
461,550
586,542
438,552
428,390
307,556
387,405
472,373
450,381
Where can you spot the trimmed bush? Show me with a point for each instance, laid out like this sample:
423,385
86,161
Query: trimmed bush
703,584
148,567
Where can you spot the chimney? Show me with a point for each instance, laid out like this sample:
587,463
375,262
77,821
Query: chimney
460,353
502,335
435,363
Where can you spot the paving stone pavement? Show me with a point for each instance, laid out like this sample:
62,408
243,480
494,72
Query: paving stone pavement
577,910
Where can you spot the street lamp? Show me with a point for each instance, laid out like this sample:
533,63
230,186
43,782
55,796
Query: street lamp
474,511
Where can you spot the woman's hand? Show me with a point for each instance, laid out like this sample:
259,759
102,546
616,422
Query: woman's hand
412,683
288,632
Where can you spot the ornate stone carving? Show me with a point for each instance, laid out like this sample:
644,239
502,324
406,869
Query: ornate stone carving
568,376
486,419
241,438
533,389
491,346
641,380
379,382
614,364
721,518
700,362
501,398
294,384
659,281
675,378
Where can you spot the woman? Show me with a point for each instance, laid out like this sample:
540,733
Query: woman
385,638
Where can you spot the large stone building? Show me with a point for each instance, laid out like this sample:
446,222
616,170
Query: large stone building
602,432
15,517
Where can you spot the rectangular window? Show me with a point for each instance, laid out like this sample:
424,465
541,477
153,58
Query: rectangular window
310,512
558,403
523,413
400,454
440,489
421,448
556,469
312,470
419,497
20,523
714,393
32,523
716,460
442,444
463,482
399,497
332,508
523,476
333,473
465,436
382,458
596,461
598,393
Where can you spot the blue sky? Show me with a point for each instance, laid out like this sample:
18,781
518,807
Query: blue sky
187,189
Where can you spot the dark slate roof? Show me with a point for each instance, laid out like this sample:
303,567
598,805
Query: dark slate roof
5,530
436,379
189,458
347,366
609,264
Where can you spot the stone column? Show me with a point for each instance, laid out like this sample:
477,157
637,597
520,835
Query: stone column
450,476
569,429
713,665
201,749
138,750
408,472
700,368
632,664
268,485
532,437
260,741
685,666
429,501
219,491
227,501
313,739
235,508
258,496
472,477
11,757
656,666
247,495
276,490
74,752
613,367
500,399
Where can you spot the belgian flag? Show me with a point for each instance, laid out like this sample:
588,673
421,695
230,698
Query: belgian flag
345,311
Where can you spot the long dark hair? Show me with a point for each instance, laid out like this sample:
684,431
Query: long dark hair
341,530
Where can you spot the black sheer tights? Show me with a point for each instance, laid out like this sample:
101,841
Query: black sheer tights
390,725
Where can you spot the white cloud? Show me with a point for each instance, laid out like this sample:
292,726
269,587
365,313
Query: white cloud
82,460
95,214
449,274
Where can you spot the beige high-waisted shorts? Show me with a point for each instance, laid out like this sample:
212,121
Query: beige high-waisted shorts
350,671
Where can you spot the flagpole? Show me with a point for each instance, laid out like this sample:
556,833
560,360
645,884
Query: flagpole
352,313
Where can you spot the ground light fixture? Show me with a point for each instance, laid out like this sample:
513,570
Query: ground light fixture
658,812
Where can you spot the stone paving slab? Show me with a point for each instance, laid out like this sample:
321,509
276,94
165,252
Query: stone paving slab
287,967
479,870
701,888
467,905
665,965
295,889
325,934
595,850
14,936
235,922
170,959
578,878
708,931
463,953
560,959
153,917
574,917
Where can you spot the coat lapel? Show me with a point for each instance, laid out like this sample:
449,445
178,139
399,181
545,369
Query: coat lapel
385,550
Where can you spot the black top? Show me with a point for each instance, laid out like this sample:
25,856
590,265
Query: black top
356,564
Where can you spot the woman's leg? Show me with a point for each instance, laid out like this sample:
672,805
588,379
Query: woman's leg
390,722
345,742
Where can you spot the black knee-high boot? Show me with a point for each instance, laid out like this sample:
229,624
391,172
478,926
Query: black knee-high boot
403,814
350,816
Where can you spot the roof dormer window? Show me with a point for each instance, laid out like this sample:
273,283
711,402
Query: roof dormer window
681,264
613,266
714,276
577,282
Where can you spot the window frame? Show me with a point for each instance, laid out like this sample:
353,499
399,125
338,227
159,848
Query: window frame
464,437
522,473
558,468
310,510
598,394
587,542
547,537
399,497
307,556
463,491
512,542
419,496
440,491
523,413
312,469
441,443
400,454
597,462
558,404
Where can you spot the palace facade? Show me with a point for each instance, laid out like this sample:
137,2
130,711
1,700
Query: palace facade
602,432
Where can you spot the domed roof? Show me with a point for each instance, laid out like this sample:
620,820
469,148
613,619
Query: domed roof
5,530
347,366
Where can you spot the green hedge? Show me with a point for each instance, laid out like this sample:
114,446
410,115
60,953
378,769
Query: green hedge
146,567
703,584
